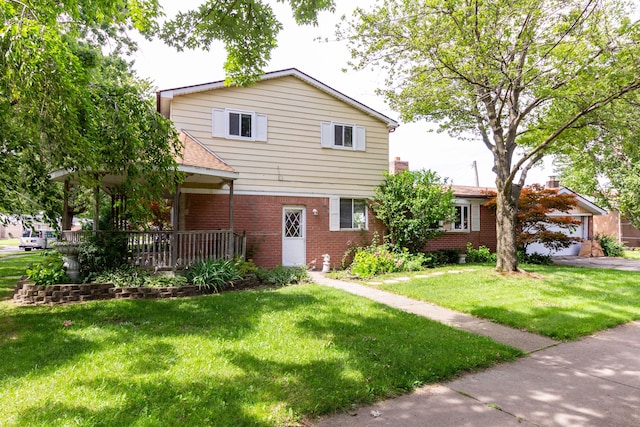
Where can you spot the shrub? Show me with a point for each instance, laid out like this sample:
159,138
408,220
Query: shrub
245,268
480,255
213,275
410,204
283,276
610,245
102,251
442,257
49,272
411,262
372,260
534,258
129,276
164,280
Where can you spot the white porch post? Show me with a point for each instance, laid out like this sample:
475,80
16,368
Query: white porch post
231,206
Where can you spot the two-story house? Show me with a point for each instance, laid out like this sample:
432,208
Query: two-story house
300,159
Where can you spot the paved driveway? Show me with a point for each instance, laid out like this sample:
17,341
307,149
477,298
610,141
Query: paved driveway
599,262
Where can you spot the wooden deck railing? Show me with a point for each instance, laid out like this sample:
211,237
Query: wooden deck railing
169,250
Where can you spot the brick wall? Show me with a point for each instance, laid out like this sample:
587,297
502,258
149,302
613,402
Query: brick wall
261,218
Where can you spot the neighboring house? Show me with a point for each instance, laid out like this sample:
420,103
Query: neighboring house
585,212
10,227
612,224
475,223
296,159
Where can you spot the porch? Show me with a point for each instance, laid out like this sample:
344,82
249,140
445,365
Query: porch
173,250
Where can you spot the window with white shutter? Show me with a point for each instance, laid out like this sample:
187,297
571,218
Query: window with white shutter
236,124
347,214
475,216
342,136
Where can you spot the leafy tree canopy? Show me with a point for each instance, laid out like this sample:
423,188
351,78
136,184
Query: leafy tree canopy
604,159
65,104
410,204
515,74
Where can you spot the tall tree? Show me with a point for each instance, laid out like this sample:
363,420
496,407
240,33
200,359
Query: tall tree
516,74
248,28
65,105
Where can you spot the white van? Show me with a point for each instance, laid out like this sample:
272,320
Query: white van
37,239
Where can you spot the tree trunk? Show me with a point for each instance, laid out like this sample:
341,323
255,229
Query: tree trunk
67,215
506,221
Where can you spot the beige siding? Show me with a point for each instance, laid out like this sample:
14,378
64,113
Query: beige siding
291,161
579,210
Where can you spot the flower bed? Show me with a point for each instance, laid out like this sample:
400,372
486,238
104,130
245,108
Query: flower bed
29,294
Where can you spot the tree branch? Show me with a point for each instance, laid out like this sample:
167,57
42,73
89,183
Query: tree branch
551,138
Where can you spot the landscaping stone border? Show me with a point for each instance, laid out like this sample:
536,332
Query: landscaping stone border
29,294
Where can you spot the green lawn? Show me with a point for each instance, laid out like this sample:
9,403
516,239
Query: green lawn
9,242
12,267
248,358
560,302
632,254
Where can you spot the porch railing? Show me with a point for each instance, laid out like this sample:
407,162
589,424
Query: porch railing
169,250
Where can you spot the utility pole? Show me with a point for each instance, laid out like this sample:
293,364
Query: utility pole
474,165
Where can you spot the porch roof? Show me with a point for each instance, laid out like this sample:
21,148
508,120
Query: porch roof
197,162
201,164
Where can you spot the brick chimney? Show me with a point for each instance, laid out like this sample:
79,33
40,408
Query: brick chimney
553,182
397,165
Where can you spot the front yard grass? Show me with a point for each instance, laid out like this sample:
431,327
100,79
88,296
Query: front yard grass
247,358
12,269
632,254
560,302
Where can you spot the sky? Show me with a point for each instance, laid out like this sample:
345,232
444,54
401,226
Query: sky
298,47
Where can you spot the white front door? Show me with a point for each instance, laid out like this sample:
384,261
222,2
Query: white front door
294,245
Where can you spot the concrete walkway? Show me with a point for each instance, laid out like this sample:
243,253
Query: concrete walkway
591,382
523,340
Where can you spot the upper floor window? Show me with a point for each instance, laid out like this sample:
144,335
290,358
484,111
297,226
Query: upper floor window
342,136
236,124
241,124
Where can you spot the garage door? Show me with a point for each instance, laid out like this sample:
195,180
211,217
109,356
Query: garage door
573,250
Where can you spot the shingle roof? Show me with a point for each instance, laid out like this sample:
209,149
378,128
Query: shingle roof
166,95
195,154
469,191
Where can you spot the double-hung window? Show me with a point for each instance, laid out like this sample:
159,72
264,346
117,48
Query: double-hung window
347,214
466,218
461,222
345,136
237,124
